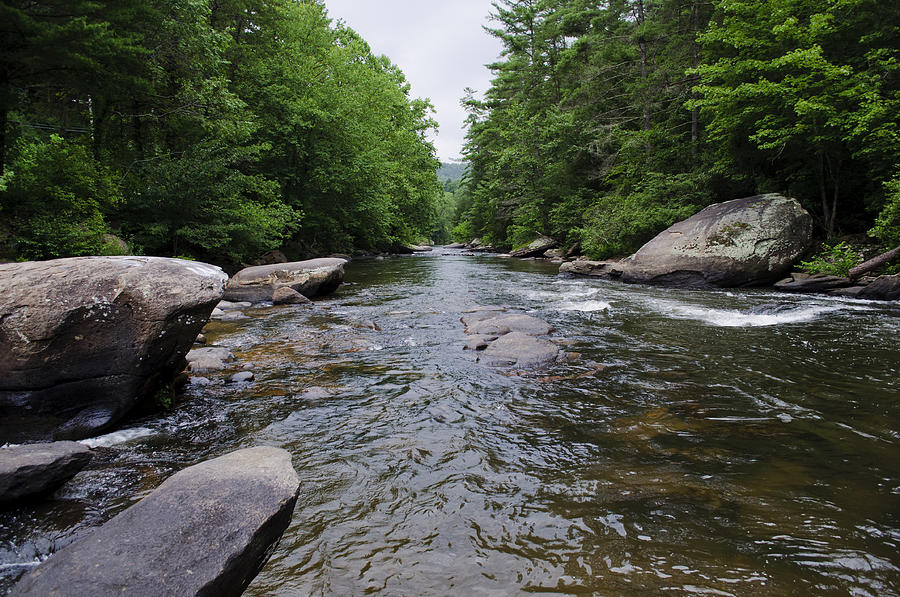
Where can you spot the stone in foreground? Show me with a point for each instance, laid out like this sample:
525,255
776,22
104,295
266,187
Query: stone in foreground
310,278
745,242
207,531
83,340
516,349
39,468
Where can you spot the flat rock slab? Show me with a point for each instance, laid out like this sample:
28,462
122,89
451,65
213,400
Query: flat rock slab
519,350
206,530
39,468
310,278
83,340
497,326
607,270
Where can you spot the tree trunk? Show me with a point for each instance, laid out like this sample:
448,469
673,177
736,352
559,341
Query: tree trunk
642,45
828,221
695,62
4,118
874,263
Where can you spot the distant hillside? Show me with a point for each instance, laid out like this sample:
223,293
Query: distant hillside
452,171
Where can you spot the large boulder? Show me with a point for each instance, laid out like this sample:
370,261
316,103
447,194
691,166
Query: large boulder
535,248
310,278
83,340
39,468
745,242
207,530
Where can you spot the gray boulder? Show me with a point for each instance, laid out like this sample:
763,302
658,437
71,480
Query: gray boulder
206,530
288,296
805,283
519,350
212,358
39,468
883,288
83,340
310,278
535,248
745,242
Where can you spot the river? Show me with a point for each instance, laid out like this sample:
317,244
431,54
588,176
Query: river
711,443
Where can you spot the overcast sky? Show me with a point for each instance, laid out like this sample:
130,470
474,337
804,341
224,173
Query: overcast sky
439,45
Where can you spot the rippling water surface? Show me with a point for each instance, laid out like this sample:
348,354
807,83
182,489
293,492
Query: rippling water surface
712,443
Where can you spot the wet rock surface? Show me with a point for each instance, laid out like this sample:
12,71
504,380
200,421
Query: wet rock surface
83,340
310,278
508,340
36,469
207,530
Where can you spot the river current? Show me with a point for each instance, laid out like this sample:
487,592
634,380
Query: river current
708,443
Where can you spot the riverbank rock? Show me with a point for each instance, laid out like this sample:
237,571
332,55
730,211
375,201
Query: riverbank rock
883,288
805,283
745,242
535,248
206,530
85,339
608,270
310,278
35,469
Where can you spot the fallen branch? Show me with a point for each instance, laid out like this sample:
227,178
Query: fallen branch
874,263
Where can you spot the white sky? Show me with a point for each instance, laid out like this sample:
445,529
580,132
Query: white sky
438,44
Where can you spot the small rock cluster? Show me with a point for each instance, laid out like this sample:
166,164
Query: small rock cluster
509,340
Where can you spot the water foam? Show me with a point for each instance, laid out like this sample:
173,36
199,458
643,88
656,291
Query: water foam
584,306
116,437
736,318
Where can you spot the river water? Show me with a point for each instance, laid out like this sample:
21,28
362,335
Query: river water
710,443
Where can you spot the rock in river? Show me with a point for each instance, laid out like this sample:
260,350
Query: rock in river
84,339
745,242
310,278
519,350
39,468
206,530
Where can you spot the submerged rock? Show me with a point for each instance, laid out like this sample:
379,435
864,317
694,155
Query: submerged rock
39,468
83,340
745,242
310,278
206,530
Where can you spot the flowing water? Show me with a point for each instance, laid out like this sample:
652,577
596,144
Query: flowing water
712,443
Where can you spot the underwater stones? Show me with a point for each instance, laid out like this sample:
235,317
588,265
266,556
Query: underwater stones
39,468
745,242
83,340
310,278
242,377
206,530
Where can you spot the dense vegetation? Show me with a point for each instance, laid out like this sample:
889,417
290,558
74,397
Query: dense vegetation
608,121
217,129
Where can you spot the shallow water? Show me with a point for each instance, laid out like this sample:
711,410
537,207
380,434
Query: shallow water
714,443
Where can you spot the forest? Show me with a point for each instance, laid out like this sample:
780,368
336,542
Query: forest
223,129
608,121
207,129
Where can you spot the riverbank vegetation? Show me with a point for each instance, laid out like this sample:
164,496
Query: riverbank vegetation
217,130
608,121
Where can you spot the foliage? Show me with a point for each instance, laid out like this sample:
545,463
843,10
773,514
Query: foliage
229,127
887,225
835,260
54,199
